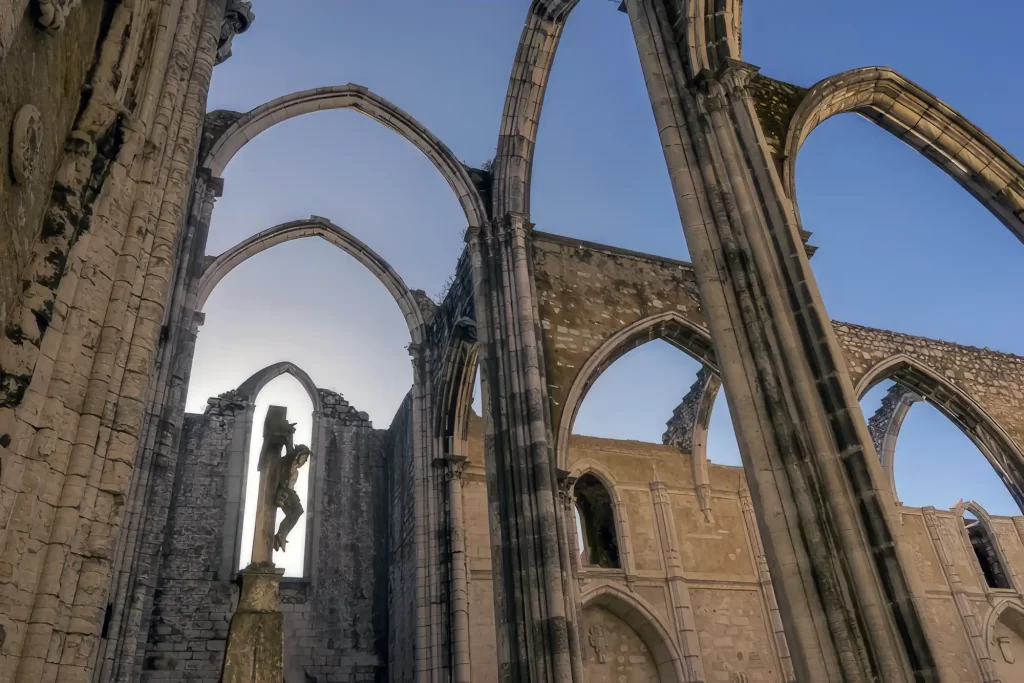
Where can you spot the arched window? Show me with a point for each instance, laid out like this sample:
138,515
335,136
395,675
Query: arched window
985,549
596,522
286,391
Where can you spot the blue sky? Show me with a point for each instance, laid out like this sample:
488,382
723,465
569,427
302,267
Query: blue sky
901,246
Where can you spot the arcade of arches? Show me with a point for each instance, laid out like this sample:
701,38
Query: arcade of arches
445,547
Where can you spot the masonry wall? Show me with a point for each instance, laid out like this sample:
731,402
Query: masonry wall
401,546
46,71
335,617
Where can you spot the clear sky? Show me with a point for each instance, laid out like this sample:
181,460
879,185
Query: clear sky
901,246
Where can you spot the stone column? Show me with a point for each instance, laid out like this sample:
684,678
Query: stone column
533,641
569,545
255,651
454,466
964,604
828,523
679,592
767,592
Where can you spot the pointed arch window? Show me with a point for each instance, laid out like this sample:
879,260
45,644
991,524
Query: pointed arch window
596,523
985,549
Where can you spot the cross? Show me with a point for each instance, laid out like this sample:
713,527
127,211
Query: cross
278,474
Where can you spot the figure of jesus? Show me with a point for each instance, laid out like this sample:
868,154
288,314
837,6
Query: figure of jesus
278,475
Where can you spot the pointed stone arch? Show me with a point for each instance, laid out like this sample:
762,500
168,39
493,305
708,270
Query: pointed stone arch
707,32
357,98
672,326
600,472
238,461
1009,611
974,421
316,226
985,520
251,388
923,121
884,427
644,621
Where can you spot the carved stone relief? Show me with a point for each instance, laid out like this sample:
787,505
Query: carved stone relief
26,138
599,642
54,13
237,18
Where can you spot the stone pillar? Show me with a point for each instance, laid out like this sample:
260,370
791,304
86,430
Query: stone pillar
767,592
454,466
828,522
679,592
569,545
533,641
255,652
964,604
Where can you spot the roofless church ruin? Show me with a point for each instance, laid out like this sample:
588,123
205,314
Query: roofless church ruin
452,547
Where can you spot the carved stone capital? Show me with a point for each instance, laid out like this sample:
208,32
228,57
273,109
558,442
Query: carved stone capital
566,484
237,18
736,75
711,96
452,466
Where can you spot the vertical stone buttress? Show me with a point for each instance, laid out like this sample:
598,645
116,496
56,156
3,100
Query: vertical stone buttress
781,647
679,592
101,281
837,562
533,625
964,605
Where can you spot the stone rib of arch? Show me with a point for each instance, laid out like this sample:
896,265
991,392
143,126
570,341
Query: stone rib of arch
315,226
250,389
366,102
644,621
995,444
926,123
671,327
531,69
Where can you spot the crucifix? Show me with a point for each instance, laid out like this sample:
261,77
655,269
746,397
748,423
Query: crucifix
278,474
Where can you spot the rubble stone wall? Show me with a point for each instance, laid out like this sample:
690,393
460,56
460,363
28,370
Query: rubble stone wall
335,616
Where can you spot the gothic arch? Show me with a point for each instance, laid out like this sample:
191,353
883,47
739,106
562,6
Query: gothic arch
672,327
315,226
238,462
884,427
455,395
633,610
251,388
993,442
708,32
923,121
360,99
996,614
600,472
978,511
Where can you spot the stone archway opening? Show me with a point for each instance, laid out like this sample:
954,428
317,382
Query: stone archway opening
289,391
929,434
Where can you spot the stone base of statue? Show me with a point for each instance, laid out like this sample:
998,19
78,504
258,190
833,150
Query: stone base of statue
255,650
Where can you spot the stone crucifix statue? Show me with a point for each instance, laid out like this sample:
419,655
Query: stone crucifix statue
279,465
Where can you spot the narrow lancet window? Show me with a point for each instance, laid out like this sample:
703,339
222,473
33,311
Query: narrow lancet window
597,521
985,550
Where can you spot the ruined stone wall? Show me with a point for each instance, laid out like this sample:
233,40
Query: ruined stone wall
730,609
193,603
335,617
728,602
44,72
994,380
588,292
401,545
